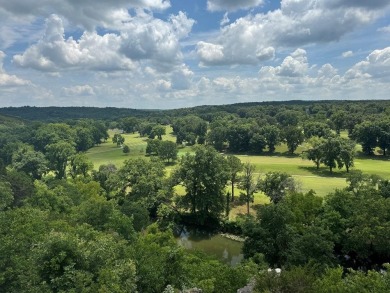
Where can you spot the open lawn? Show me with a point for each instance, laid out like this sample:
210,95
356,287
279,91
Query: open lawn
303,171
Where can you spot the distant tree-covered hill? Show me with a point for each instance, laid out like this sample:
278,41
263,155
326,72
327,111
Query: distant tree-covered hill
66,113
207,112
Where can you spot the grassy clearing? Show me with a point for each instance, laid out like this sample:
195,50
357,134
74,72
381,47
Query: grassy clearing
304,171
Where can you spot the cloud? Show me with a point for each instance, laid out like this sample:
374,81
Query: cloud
150,38
143,38
79,90
232,5
297,23
225,20
295,78
54,53
89,13
210,53
347,54
376,66
385,29
7,80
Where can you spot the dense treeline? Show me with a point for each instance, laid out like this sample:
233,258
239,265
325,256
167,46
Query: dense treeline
356,110
67,227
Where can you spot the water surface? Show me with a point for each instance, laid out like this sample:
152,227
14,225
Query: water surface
224,249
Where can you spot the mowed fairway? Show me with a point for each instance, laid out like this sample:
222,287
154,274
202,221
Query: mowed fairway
303,171
110,153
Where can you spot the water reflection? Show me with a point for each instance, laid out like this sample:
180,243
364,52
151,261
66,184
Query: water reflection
227,250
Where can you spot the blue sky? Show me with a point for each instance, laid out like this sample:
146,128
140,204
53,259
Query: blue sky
180,53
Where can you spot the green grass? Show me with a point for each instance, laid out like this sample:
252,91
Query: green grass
304,171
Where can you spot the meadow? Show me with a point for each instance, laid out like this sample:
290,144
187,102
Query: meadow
303,171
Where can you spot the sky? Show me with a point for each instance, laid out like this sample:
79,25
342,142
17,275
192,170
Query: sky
163,54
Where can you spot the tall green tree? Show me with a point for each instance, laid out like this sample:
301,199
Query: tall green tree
384,135
142,181
272,136
347,153
31,162
366,134
58,155
52,133
338,119
84,139
80,164
159,131
293,137
204,176
276,185
248,184
118,139
6,195
128,124
331,153
315,151
318,129
235,166
167,151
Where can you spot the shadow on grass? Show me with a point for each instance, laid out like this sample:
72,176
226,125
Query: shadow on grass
324,172
264,154
363,156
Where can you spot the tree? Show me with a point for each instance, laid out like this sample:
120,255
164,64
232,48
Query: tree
159,131
21,184
84,139
272,136
118,139
293,137
52,133
235,166
248,184
31,162
347,153
103,174
80,164
217,137
128,124
142,181
189,128
318,129
257,143
145,128
331,153
58,155
167,151
384,135
152,146
126,149
276,185
338,119
238,136
204,177
6,195
288,118
366,134
315,152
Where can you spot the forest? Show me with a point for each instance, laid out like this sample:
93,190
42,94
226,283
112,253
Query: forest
91,199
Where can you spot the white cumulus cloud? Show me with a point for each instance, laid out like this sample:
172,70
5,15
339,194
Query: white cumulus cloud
143,38
231,5
296,23
7,80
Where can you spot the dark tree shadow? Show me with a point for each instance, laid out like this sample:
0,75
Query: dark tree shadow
324,172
